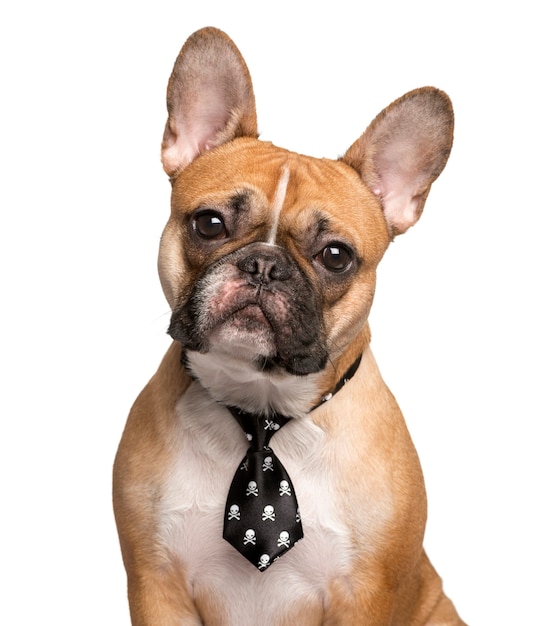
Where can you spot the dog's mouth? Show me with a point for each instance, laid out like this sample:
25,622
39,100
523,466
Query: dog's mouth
251,317
246,331
259,326
237,317
244,324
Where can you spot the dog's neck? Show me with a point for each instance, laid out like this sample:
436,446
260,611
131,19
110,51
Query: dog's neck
235,383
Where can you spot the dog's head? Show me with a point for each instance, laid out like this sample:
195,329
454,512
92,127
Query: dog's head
269,257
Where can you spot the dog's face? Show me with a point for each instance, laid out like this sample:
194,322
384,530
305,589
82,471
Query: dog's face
270,256
268,260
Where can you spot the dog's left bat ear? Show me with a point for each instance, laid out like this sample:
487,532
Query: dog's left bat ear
402,153
210,99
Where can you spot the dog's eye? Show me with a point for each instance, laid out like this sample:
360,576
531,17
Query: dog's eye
335,258
209,225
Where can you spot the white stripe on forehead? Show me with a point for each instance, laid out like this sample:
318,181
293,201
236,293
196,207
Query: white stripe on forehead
277,203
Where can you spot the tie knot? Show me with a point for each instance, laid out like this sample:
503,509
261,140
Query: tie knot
258,428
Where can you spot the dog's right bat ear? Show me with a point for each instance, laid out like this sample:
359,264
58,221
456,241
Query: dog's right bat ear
403,151
210,99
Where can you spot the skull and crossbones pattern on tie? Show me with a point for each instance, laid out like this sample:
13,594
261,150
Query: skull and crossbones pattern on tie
262,520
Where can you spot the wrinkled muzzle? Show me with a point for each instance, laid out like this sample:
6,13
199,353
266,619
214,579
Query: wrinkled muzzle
256,300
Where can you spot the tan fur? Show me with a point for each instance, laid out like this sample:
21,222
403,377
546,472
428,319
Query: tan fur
376,572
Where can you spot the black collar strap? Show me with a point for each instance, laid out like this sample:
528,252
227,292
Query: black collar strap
343,380
236,411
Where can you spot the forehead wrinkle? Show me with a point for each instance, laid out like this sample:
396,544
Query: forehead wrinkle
278,201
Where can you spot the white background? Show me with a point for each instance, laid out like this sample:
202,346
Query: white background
462,320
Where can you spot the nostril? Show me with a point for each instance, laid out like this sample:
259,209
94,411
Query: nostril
280,271
248,265
265,268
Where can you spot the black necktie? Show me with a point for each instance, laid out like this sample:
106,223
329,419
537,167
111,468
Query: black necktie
262,520
261,515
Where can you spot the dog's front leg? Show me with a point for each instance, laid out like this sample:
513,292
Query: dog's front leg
160,598
157,585
382,598
158,589
361,603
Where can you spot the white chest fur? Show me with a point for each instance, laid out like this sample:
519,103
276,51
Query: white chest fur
209,448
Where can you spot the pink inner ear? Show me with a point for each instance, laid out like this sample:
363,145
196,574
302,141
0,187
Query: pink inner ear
202,131
204,121
401,164
194,132
208,117
401,209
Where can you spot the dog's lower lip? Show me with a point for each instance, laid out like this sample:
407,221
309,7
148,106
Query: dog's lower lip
253,311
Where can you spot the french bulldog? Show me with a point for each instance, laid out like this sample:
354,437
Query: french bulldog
268,262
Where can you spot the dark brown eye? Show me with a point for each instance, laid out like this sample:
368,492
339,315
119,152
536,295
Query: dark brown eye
209,225
335,258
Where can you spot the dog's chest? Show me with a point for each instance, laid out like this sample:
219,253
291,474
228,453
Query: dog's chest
210,446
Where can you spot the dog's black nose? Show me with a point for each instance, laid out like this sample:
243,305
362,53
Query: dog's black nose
265,267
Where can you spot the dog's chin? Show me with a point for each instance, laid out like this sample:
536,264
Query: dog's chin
233,373
248,337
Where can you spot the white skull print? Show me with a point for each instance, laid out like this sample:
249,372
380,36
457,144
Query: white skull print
268,513
234,512
284,488
252,488
249,537
283,539
264,561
